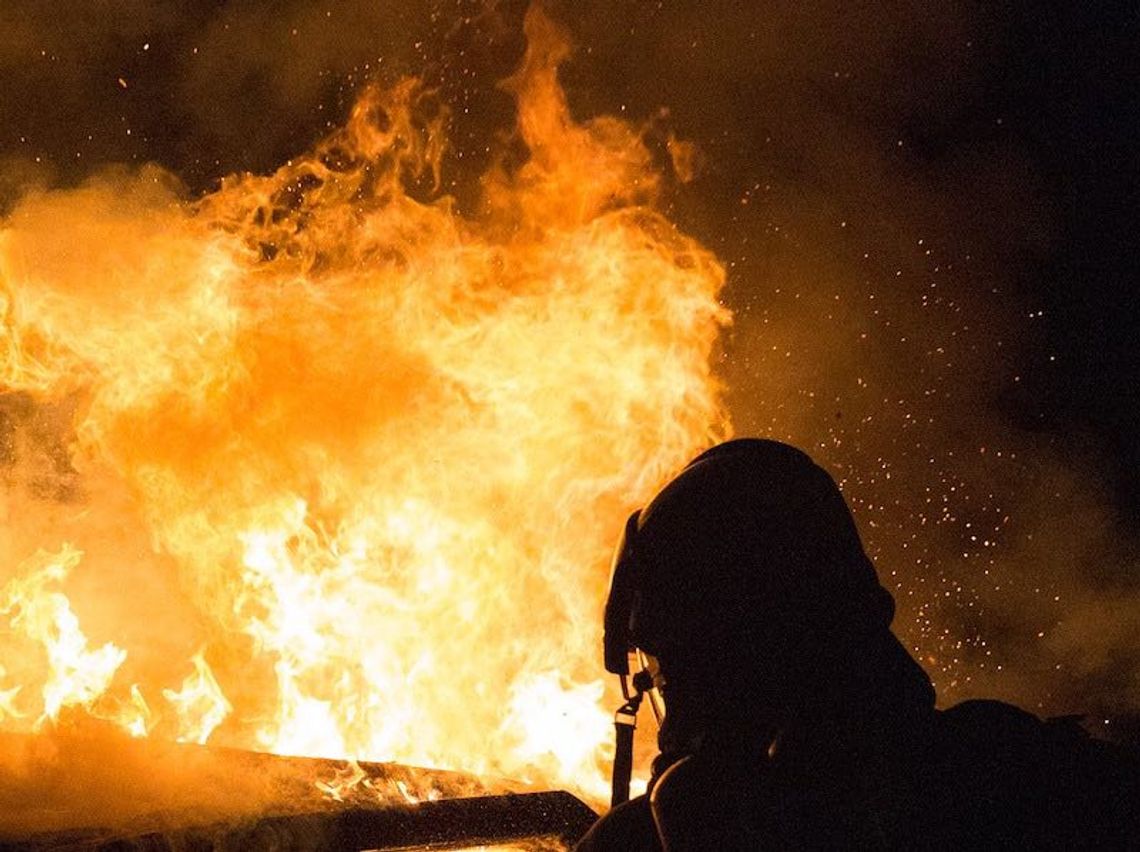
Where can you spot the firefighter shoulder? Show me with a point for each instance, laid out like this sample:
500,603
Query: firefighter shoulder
793,716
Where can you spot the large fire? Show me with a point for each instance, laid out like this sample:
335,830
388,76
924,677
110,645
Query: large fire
319,464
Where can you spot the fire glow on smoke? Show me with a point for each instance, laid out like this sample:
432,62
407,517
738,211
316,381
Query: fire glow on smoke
318,465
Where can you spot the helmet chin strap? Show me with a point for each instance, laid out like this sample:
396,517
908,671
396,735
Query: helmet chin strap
633,690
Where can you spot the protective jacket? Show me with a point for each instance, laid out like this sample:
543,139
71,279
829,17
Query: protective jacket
981,775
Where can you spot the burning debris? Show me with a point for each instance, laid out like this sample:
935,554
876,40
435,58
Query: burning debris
343,463
190,797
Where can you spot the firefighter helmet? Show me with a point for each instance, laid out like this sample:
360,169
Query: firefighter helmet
750,547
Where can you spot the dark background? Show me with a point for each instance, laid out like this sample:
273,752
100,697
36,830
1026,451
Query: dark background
927,215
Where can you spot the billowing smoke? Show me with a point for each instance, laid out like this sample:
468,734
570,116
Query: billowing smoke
885,230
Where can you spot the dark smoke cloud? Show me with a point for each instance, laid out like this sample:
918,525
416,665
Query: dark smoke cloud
865,178
885,226
204,88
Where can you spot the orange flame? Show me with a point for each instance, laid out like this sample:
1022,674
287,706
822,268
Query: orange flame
76,675
380,446
200,704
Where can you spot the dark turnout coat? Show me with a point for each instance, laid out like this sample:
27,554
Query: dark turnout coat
981,775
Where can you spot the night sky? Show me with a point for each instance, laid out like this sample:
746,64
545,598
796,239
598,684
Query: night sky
927,215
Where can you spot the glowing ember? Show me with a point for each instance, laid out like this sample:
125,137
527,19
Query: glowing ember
366,452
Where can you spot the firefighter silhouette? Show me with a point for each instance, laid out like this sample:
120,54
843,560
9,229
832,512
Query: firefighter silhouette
793,716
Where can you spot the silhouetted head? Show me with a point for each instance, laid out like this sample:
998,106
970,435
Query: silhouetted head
745,577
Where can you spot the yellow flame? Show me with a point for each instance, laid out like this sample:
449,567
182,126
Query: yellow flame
384,442
556,726
136,718
8,709
200,704
75,674
345,780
